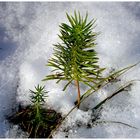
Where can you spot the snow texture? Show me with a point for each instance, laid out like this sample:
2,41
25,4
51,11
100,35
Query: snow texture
27,34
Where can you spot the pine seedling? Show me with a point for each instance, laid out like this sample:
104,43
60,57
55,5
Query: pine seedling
74,57
34,119
37,99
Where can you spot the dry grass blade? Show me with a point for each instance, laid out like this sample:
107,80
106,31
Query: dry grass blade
117,122
120,89
103,83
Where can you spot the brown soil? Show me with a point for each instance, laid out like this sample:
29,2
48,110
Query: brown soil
25,118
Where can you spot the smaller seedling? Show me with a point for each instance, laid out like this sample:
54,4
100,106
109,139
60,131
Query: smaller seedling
37,98
35,119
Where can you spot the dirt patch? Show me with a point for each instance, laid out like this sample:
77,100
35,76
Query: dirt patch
25,118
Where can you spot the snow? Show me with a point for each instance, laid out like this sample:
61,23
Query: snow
27,32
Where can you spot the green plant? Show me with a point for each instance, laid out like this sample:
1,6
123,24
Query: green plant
75,58
34,118
37,98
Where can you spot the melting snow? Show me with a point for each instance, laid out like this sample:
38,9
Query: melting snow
27,32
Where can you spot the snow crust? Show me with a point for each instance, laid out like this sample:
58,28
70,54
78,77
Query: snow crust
27,34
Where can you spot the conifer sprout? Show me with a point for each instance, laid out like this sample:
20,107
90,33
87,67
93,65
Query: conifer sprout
35,119
74,57
37,98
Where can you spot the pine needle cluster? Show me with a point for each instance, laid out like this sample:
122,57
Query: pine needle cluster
37,99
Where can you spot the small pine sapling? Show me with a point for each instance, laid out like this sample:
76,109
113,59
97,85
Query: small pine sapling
74,57
35,119
37,98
